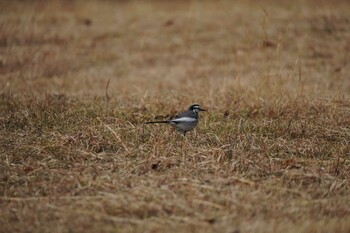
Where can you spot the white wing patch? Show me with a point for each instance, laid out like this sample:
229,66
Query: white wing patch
184,119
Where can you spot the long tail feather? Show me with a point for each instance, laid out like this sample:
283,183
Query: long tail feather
156,122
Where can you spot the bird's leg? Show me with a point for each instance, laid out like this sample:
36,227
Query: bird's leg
183,151
184,146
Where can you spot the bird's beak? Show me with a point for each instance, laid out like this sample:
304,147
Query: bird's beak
201,109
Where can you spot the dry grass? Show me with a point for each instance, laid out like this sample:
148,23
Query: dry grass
79,78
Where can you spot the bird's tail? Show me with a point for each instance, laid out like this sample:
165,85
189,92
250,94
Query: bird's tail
156,122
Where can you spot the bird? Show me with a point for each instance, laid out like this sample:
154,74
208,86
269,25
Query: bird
185,121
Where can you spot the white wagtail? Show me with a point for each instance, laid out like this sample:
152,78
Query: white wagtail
185,121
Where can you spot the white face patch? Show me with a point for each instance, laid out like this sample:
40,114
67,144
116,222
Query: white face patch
195,108
185,119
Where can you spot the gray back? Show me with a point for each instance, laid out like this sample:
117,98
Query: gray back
188,113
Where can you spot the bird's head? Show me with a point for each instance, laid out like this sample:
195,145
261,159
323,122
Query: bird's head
196,108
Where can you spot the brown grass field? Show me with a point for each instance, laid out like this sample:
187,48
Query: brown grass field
79,78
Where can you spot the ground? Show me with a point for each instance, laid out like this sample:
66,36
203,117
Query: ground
79,78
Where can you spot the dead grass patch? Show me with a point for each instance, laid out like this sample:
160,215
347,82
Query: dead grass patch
78,79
